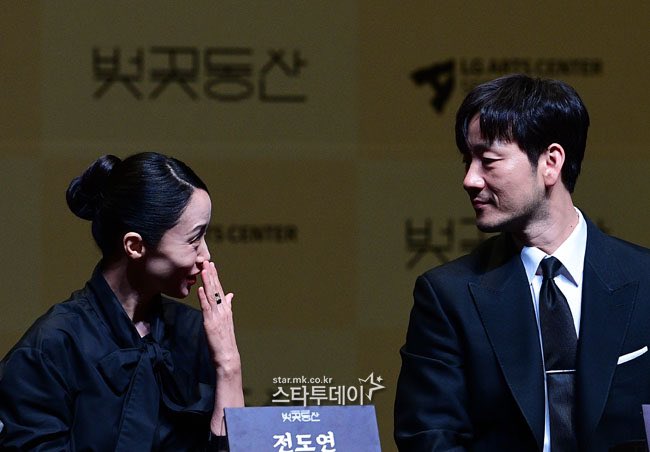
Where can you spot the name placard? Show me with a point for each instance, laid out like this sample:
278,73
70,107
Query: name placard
303,429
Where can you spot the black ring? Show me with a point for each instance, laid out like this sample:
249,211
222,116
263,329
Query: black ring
217,298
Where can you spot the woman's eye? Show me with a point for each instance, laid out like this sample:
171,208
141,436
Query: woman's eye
197,240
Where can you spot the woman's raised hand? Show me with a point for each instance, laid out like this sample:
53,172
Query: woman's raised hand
217,318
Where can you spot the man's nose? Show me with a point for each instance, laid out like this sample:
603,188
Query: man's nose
473,178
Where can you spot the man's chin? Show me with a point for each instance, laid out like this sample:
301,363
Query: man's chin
487,226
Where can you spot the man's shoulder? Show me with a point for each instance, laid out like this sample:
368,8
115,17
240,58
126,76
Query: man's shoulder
597,238
624,246
603,241
630,257
493,251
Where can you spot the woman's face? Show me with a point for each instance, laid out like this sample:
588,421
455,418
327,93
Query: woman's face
176,262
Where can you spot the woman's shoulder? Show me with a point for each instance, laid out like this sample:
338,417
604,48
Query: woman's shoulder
61,322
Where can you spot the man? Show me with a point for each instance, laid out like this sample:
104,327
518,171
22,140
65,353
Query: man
509,349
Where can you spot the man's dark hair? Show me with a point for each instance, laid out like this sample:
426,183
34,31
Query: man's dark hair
531,112
144,193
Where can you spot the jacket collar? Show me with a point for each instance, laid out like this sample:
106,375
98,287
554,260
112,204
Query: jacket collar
502,298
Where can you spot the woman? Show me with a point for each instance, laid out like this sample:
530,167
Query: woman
118,366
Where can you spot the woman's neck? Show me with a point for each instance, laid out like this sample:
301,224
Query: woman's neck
135,301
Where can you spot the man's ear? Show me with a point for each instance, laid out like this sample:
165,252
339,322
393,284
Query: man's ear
134,246
552,161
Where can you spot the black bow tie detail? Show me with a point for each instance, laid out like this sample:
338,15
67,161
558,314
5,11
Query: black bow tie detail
138,372
118,367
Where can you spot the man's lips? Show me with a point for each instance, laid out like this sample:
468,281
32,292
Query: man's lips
478,203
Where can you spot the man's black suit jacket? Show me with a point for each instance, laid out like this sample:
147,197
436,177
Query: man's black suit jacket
472,371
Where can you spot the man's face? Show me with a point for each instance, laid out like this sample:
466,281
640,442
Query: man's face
507,193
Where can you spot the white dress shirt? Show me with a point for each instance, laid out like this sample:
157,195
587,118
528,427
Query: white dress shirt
572,256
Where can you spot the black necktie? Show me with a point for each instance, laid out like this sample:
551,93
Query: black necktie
560,345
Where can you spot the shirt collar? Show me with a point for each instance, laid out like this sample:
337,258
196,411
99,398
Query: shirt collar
571,253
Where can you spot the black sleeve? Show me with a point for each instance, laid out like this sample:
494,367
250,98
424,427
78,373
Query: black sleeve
35,403
431,397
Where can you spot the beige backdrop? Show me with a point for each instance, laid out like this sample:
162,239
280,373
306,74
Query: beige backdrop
304,120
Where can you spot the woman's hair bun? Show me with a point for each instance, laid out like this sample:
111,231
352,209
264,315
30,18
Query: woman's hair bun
84,192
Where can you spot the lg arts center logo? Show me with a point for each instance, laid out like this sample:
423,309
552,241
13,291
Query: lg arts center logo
443,77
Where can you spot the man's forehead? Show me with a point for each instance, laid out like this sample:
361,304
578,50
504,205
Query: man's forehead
478,141
475,134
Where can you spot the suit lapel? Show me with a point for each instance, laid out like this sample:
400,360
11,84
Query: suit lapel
607,302
503,300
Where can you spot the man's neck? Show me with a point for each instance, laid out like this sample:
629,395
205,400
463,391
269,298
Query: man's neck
550,232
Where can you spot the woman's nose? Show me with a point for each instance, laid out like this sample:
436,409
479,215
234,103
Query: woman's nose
204,252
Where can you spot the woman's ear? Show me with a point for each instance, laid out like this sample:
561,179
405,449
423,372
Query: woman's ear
134,246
